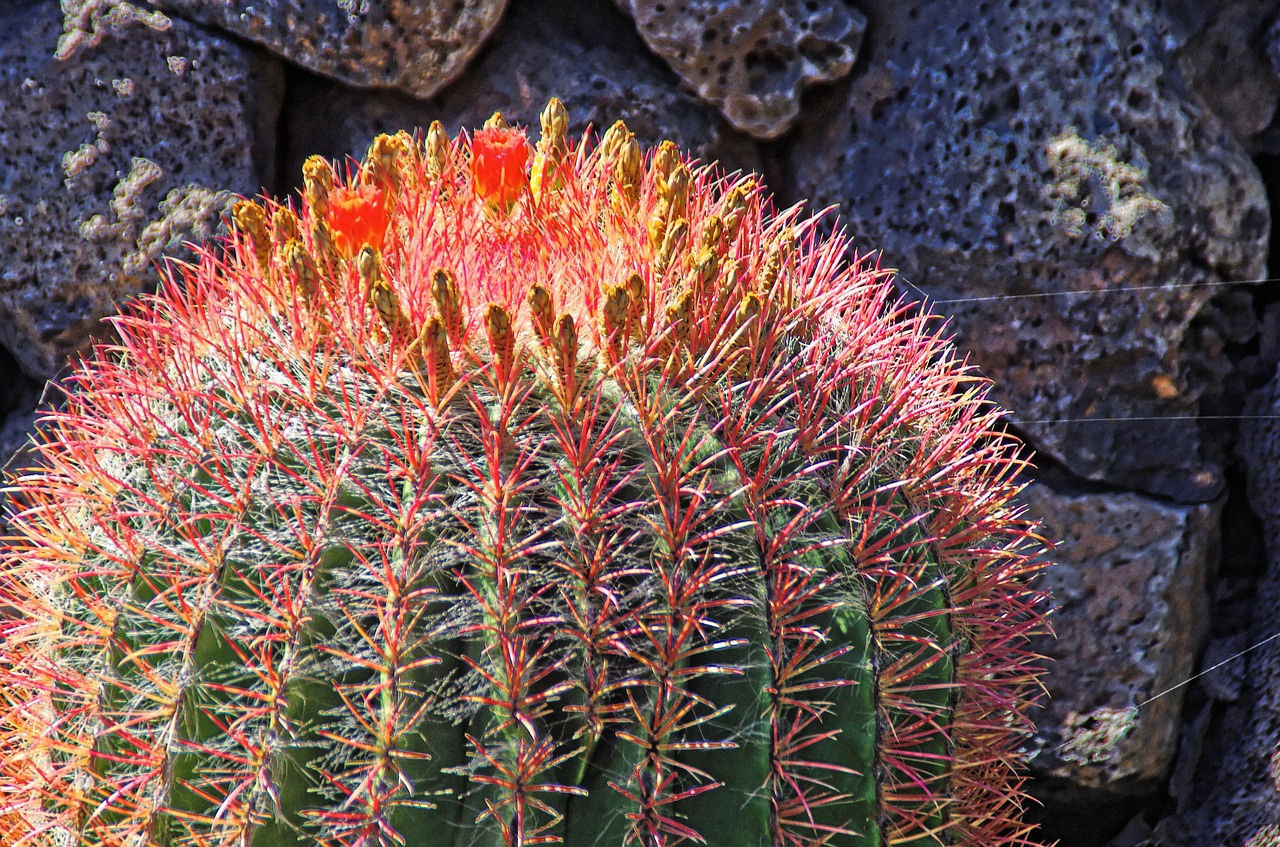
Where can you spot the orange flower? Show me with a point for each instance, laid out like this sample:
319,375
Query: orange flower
499,157
357,216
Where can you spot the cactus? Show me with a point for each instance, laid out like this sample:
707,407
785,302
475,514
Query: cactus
502,494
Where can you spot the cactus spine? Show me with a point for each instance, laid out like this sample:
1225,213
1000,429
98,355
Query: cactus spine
458,506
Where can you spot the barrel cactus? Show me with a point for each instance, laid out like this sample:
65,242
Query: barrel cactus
500,493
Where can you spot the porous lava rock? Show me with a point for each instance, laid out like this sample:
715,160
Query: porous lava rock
1128,583
1223,55
1002,155
412,46
584,54
122,138
1233,793
753,59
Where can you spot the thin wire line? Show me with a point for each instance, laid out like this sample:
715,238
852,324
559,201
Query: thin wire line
1083,292
1125,725
1064,292
1149,418
1086,292
1208,670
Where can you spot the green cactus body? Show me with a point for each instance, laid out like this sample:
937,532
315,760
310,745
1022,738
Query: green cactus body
451,509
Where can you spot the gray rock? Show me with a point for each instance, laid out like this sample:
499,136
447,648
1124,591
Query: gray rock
1128,583
752,60
1234,794
413,46
111,156
1047,148
580,53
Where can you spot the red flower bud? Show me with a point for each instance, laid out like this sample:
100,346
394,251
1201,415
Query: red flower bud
357,216
499,161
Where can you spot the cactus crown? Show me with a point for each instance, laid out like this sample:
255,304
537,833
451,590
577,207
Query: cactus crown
509,494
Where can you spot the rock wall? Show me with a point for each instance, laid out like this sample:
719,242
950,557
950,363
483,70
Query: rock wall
1082,188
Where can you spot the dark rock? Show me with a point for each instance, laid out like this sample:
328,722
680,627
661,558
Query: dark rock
1002,157
19,396
583,54
1225,681
113,155
1128,583
1225,60
1234,794
413,46
752,60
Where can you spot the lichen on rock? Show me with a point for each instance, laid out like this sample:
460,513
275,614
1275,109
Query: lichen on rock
81,232
86,23
1094,193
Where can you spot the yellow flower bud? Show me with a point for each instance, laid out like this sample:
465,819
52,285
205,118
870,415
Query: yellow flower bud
302,269
285,224
251,220
565,347
497,321
448,303
317,182
434,345
437,150
542,309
